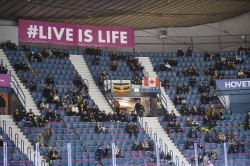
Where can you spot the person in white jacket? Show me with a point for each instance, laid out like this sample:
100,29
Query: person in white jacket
75,109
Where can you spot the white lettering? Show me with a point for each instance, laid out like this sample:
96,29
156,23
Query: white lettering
100,37
123,37
87,34
49,32
80,35
69,34
108,36
238,83
248,83
244,84
114,36
227,84
235,84
58,35
41,36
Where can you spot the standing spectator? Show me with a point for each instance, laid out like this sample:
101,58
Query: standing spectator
53,155
33,86
66,54
108,152
39,139
2,105
100,153
137,107
16,115
47,134
117,107
159,104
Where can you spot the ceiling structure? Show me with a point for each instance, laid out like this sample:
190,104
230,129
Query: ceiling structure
137,14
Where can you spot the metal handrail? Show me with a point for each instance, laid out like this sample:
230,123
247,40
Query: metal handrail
84,80
34,157
155,137
141,121
182,163
176,161
4,126
150,133
22,146
220,93
109,97
160,143
10,133
146,127
42,163
171,153
165,148
16,139
29,152
163,100
18,88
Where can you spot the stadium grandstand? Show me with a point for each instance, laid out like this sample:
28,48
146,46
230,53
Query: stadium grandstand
124,83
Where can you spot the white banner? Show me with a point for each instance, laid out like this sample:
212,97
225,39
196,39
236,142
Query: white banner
4,153
113,154
69,153
225,153
157,154
37,155
196,154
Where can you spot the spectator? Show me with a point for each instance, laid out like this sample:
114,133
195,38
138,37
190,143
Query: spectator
216,138
204,99
192,133
177,100
34,122
47,134
100,153
180,52
49,115
98,51
168,157
129,129
209,99
33,86
194,123
53,155
190,111
75,110
168,67
3,70
166,84
2,105
66,54
108,152
17,66
162,67
247,125
50,80
206,120
98,129
88,51
144,145
42,121
238,60
214,155
200,160
50,98
137,107
201,110
23,114
184,110
234,137
208,138
60,54
159,104
188,123
192,81
113,66
201,88
46,92
24,67
233,148
115,117
113,56
39,139
240,74
189,144
123,57
207,88
138,67
16,115
176,127
179,89
209,109
134,116
104,75
3,45
117,152
167,117
185,89
30,115
135,130
9,45
179,73
117,106
136,146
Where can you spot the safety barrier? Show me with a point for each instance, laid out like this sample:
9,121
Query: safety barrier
16,139
146,127
42,163
10,133
160,143
182,163
4,126
166,146
176,161
155,137
22,146
29,153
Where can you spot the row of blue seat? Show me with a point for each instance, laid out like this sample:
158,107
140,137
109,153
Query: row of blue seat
120,74
20,163
13,53
52,66
15,157
74,52
109,53
107,68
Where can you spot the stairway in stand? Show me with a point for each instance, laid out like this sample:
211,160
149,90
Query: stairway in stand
30,103
150,70
95,94
156,127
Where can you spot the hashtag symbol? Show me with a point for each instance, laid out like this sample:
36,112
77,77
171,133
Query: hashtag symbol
32,31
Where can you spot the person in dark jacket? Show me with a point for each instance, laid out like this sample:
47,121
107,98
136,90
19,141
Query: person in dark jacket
16,115
23,114
53,155
180,52
66,54
173,116
98,129
134,116
189,144
32,86
50,115
135,130
136,146
50,80
176,127
46,92
177,100
29,115
137,107
42,121
108,152
192,133
2,105
100,153
208,138
129,129
3,70
179,89
204,99
168,157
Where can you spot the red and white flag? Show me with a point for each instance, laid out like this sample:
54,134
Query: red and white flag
151,81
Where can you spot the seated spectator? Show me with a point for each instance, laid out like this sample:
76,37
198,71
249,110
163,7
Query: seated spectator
88,50
185,89
113,56
179,89
50,80
17,66
96,60
207,120
138,67
180,53
84,116
173,116
100,153
43,105
39,139
50,98
50,116
185,72
184,110
177,101
174,62
179,73
39,57
113,66
53,155
201,88
98,129
3,45
195,71
54,91
135,130
136,146
9,45
123,57
176,127
233,148
188,123
34,122
162,67
32,86
240,74
3,70
192,81
116,117
168,67
201,110
204,99
134,116
214,155
30,115
17,115
190,111
222,137
189,144
42,121
207,56
238,60
75,109
144,145
46,92
208,138
167,117
24,68
118,57
108,152
192,133
166,84
66,54
117,152
104,75
129,129
209,99
207,88
153,157
194,122
168,157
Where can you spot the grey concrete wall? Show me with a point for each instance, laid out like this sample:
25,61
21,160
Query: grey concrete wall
15,103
